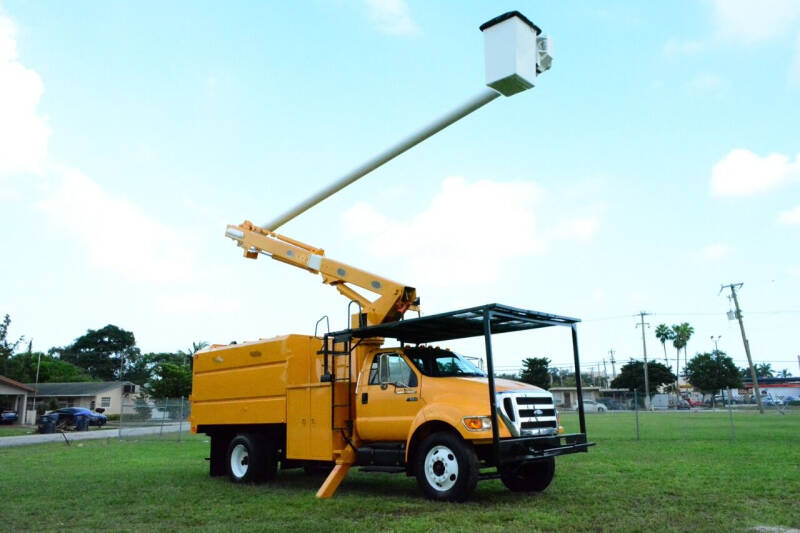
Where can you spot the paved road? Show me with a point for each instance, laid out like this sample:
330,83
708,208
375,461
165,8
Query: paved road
24,440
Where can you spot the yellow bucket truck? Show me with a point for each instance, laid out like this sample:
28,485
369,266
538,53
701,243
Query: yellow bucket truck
382,395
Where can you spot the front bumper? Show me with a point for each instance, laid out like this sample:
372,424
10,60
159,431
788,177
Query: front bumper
518,450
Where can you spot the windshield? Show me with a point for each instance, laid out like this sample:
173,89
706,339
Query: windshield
440,363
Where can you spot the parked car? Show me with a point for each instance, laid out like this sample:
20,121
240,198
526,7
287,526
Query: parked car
66,416
694,403
8,417
683,404
611,405
591,406
791,400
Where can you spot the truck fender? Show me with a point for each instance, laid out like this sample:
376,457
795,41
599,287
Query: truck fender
433,418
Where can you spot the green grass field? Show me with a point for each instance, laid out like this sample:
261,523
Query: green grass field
11,431
684,475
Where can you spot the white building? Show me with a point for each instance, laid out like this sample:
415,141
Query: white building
89,394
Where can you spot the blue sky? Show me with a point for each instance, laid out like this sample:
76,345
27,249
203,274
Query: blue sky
658,159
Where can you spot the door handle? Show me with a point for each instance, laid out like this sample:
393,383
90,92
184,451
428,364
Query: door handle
364,398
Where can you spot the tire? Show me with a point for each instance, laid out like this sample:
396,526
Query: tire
446,467
251,458
530,477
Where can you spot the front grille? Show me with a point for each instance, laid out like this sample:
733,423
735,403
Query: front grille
521,408
527,400
539,425
531,413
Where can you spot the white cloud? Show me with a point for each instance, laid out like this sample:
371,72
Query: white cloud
715,251
742,173
467,233
794,69
195,303
751,22
391,16
676,47
580,229
23,132
117,235
706,83
791,216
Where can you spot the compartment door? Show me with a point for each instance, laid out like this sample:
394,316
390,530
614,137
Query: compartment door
320,441
297,423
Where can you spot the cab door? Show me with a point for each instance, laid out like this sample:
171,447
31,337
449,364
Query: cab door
385,412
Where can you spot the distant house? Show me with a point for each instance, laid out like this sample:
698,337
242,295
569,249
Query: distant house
88,394
567,397
14,396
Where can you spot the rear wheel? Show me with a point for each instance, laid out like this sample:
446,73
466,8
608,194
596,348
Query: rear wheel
446,467
251,458
530,477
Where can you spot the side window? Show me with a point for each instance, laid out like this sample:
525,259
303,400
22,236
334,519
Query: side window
373,371
399,371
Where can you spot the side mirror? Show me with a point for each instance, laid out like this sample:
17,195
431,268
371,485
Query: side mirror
383,370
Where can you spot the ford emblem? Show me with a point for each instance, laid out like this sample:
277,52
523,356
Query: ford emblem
538,412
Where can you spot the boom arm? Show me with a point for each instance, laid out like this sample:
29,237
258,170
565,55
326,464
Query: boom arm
393,300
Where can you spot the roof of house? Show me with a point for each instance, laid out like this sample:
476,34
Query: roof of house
81,388
17,384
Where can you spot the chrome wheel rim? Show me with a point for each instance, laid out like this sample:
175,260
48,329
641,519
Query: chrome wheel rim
441,468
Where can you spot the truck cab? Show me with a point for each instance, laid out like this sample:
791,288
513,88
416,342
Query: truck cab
404,387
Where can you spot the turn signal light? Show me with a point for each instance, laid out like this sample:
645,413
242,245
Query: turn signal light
477,423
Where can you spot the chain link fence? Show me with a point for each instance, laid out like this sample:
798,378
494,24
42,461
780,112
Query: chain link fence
163,418
625,415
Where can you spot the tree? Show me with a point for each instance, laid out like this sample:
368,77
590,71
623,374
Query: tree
7,347
103,353
170,381
535,371
711,372
681,334
764,370
784,373
664,333
22,367
189,355
141,370
631,376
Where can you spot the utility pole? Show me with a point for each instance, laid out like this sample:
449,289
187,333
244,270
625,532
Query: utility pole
614,369
716,342
605,374
642,323
756,391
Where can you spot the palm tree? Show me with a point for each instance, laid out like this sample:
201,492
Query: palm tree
664,333
682,333
764,370
784,373
196,347
686,331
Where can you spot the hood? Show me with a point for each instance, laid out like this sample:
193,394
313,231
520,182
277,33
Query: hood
502,385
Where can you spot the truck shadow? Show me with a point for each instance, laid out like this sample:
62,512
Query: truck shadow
390,486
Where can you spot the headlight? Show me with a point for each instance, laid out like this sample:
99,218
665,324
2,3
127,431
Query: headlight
477,423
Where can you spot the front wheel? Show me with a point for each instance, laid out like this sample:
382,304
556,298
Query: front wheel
446,467
530,477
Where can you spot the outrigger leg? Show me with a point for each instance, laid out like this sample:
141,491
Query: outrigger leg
334,479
